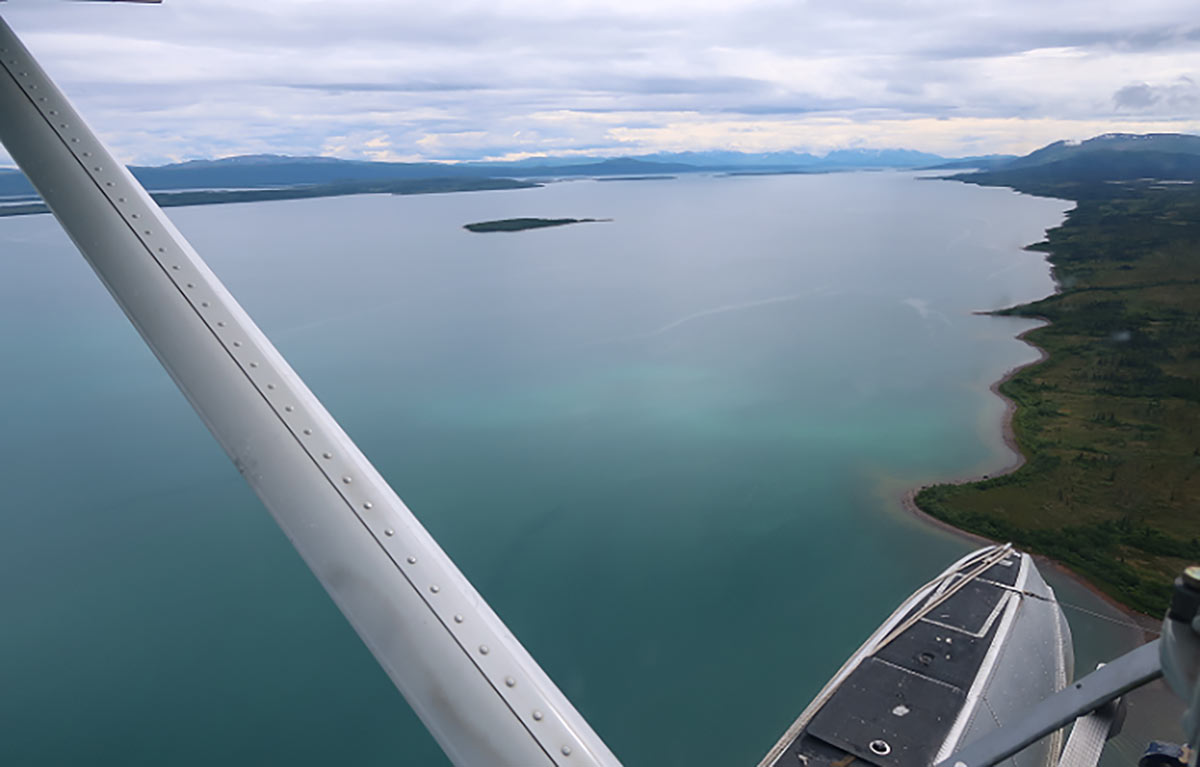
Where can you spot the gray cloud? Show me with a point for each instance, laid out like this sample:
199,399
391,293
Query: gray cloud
402,87
1136,96
1182,95
388,78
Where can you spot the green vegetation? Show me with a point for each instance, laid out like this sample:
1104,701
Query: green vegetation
520,224
1110,423
336,189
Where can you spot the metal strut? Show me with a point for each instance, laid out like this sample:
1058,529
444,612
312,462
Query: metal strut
479,692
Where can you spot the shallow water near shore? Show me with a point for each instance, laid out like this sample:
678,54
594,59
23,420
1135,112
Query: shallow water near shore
654,444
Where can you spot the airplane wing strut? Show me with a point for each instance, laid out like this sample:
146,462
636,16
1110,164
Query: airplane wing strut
479,692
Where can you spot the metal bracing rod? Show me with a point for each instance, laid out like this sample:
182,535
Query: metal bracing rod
1131,670
474,686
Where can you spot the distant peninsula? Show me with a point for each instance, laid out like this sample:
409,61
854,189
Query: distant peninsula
520,224
637,178
250,178
335,189
776,172
254,178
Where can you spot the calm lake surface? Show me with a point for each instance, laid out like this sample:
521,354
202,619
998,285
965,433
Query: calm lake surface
668,449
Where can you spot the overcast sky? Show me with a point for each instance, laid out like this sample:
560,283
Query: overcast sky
446,80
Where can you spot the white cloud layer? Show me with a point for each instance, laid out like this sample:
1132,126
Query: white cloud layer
380,79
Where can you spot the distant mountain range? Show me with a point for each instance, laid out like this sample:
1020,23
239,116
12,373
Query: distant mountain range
268,171
840,159
1111,157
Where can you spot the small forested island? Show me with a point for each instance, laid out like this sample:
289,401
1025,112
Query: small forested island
520,224
1109,422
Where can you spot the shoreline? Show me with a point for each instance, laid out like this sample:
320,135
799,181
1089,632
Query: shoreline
1148,624
1150,706
1006,434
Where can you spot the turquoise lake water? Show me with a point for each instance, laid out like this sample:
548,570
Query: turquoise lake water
668,449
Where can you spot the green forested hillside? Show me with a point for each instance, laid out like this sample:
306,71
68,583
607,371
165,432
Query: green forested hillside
1110,423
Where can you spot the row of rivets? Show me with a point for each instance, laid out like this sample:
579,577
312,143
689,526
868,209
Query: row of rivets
483,649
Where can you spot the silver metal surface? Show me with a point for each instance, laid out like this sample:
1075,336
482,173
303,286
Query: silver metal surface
412,607
1131,670
1180,658
1030,660
887,629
